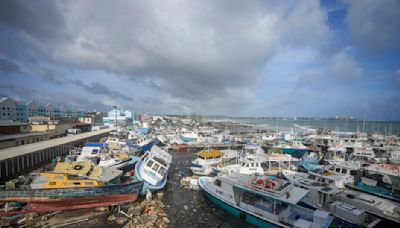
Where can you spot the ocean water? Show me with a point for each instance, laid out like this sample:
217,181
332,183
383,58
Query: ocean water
337,125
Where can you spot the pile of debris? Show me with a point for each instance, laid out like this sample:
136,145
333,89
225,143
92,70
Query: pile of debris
190,182
148,213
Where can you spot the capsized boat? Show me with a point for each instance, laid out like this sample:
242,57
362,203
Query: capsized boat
71,198
262,201
153,168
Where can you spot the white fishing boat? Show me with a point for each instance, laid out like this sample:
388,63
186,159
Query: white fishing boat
153,168
206,160
262,201
90,154
118,161
244,166
364,153
325,194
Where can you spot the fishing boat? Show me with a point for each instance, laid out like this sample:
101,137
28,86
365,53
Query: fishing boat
327,193
189,136
380,179
153,168
310,160
88,170
244,166
71,198
292,147
262,201
206,160
118,160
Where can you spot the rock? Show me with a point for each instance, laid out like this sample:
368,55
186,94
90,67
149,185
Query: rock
121,221
111,218
102,209
153,218
135,211
128,225
186,207
149,224
194,210
166,220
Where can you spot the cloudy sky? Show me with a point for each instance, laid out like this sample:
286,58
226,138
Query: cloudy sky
237,58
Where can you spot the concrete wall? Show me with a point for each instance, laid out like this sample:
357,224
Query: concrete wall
23,140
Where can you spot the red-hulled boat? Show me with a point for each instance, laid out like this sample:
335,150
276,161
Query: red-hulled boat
61,199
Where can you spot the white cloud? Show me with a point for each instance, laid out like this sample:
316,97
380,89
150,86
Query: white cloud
344,67
374,24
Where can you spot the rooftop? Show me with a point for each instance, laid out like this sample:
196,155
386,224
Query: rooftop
21,135
30,148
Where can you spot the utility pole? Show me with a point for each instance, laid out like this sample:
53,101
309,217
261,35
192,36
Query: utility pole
116,124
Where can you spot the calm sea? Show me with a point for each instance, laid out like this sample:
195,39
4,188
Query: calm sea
337,125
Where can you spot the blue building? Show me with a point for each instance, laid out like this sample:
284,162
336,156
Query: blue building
21,112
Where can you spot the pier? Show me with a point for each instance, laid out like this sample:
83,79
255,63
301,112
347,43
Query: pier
16,160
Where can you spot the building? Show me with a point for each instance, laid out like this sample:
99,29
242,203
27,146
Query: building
120,116
93,118
54,128
17,111
18,133
21,112
7,109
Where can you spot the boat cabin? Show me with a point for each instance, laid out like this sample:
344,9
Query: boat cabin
48,180
156,165
209,157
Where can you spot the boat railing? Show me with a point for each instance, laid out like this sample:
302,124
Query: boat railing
277,191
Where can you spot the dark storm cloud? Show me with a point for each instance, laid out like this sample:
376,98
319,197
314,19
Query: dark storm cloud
41,19
7,66
98,88
48,75
20,90
185,49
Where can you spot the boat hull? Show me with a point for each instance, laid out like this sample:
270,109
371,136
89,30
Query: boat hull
81,203
61,194
238,213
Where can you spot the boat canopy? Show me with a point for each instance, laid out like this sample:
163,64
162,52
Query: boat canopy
210,153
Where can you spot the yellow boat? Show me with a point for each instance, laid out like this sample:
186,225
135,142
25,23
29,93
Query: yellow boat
47,180
75,175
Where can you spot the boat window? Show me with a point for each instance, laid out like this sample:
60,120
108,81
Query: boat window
95,151
59,177
252,164
311,177
77,183
353,172
52,183
162,171
155,167
338,170
344,170
150,163
247,165
217,182
89,183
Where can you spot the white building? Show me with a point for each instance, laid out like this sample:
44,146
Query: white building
7,109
